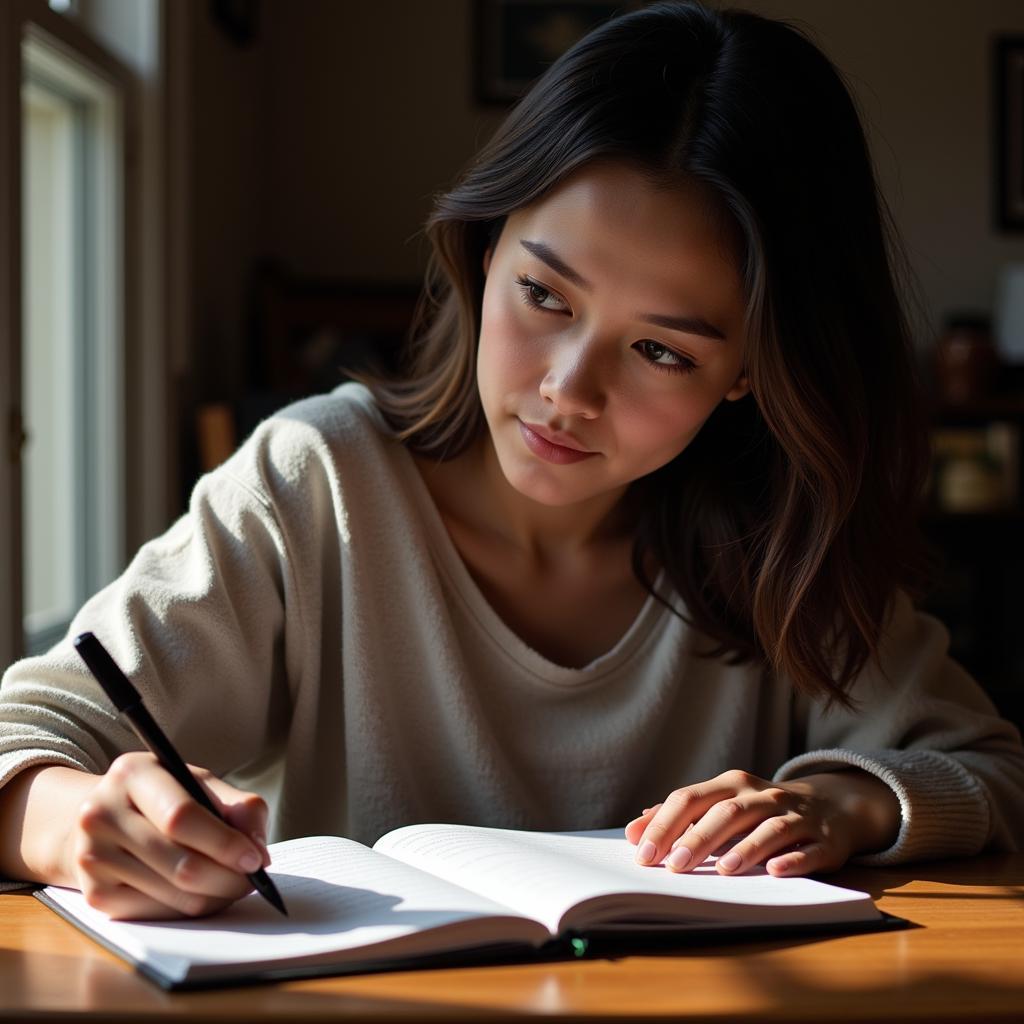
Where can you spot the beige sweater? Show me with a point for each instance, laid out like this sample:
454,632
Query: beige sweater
309,631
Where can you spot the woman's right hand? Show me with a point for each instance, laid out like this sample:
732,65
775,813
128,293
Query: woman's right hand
141,847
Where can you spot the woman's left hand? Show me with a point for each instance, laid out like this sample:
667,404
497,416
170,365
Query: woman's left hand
814,823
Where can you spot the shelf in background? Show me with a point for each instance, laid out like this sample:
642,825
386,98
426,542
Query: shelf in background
978,591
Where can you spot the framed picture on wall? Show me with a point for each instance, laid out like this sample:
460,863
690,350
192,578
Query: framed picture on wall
516,40
1009,132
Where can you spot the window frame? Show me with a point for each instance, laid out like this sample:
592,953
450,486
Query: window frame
20,20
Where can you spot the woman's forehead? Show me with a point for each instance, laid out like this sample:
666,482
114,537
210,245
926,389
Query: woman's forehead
624,202
612,222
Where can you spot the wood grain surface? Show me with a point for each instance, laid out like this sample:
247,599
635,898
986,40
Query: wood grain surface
963,960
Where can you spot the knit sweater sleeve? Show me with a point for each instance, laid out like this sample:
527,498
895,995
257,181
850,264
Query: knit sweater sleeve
206,621
923,726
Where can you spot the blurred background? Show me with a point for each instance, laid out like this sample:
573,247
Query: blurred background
211,205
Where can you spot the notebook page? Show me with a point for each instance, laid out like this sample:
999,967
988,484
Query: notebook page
339,894
545,874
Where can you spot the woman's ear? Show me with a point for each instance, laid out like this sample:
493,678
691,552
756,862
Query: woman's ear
740,388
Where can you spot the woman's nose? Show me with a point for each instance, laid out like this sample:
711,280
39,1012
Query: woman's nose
574,383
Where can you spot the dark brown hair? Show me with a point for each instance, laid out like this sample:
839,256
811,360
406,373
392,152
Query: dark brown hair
789,522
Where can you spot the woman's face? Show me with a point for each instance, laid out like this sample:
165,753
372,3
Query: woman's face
611,328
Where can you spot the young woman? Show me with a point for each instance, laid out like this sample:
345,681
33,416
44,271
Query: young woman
632,541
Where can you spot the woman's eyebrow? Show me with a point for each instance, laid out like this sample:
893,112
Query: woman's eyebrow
685,324
548,255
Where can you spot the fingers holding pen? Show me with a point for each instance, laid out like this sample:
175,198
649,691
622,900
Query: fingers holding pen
122,886
161,800
246,813
144,847
170,802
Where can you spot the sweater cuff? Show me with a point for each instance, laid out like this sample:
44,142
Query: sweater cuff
943,809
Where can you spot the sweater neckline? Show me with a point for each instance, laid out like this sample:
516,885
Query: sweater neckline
501,635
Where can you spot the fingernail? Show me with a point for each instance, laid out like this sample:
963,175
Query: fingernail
250,861
680,857
730,861
647,852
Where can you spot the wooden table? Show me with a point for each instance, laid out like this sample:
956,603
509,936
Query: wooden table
964,961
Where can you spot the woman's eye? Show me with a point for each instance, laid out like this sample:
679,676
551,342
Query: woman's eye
663,358
536,295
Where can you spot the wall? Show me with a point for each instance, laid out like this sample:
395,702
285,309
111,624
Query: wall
322,144
921,70
372,112
231,138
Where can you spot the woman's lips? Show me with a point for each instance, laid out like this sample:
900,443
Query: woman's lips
549,451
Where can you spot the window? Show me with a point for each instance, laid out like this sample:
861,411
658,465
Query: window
72,351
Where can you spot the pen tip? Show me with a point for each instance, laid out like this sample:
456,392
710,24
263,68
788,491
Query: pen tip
269,892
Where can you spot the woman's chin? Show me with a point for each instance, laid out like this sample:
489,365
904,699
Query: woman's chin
542,486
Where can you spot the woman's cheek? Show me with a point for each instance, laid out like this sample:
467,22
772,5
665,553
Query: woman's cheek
507,347
662,425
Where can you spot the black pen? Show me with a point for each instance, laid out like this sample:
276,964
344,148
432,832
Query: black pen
127,700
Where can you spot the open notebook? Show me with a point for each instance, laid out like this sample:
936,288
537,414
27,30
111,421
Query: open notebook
426,891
